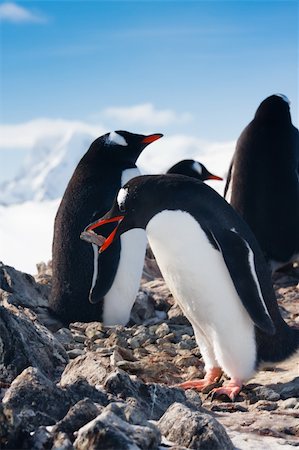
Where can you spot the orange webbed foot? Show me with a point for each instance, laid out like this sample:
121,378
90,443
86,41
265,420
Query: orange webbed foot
231,390
212,376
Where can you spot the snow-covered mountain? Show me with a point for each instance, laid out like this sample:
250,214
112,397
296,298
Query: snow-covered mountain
52,160
48,168
28,204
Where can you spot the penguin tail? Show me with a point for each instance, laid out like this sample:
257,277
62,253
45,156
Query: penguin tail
281,346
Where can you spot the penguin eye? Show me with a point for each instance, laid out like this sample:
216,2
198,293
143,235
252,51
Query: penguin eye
121,199
121,207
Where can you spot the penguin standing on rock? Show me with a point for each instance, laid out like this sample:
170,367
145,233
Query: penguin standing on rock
87,286
192,168
214,268
263,180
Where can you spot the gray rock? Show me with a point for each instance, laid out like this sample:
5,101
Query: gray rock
65,337
153,399
288,390
78,415
61,441
11,434
193,429
108,431
35,400
143,308
43,439
89,367
266,393
82,389
25,342
75,352
176,316
130,412
22,288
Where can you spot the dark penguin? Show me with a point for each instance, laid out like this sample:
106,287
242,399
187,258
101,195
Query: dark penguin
263,180
80,276
214,268
192,168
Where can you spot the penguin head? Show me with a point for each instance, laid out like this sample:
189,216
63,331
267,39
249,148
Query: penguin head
128,146
138,201
194,169
274,108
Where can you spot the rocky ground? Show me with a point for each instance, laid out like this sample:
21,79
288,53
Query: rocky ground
95,387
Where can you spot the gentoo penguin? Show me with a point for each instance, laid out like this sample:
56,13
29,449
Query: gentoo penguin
214,268
192,168
263,180
87,286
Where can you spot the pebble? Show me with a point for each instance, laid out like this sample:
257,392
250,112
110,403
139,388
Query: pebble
75,352
81,338
162,330
290,403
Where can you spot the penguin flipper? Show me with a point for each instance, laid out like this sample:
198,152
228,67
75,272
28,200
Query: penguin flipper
241,266
107,263
228,179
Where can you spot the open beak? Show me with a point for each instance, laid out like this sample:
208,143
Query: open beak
213,177
151,138
111,236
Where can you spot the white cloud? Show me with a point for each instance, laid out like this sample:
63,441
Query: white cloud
11,12
25,135
145,114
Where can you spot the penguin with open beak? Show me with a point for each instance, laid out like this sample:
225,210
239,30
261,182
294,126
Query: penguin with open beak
215,270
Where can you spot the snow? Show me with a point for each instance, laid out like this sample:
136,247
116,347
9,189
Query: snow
26,233
28,203
46,171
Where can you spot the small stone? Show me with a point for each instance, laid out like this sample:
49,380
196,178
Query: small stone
264,405
61,441
81,338
290,403
78,326
228,407
95,329
143,308
90,366
64,336
72,354
78,415
290,389
162,330
265,393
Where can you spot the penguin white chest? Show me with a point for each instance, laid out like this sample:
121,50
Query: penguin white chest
199,280
193,269
121,296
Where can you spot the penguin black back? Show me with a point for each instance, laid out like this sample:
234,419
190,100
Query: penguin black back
215,269
263,180
106,166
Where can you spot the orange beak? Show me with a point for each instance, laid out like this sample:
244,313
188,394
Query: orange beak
151,138
111,236
214,177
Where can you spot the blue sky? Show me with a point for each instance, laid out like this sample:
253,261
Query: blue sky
208,64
